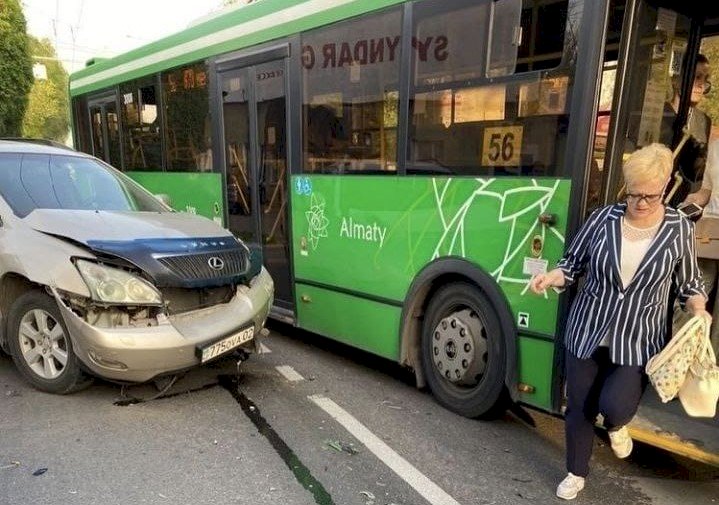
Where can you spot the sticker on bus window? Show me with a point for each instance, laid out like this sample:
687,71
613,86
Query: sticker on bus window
502,146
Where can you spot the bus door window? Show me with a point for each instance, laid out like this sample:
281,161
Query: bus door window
597,180
495,105
350,72
270,98
658,62
105,130
98,136
236,118
270,106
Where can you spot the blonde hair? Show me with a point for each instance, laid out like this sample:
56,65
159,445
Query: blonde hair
651,163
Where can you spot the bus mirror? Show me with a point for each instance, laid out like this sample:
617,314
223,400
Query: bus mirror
164,198
505,37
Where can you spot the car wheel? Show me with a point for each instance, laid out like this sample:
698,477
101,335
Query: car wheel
463,352
40,345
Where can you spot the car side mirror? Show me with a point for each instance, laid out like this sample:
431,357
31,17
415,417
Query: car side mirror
164,198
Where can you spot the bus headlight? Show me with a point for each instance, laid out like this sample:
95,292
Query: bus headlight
112,285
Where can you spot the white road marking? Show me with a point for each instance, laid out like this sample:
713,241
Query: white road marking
264,349
289,373
428,489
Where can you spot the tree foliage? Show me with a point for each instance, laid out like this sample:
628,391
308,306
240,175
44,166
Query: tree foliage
15,68
47,115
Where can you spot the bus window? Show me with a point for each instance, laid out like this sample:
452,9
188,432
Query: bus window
463,122
187,118
350,74
141,125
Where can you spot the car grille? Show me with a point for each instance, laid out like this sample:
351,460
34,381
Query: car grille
192,267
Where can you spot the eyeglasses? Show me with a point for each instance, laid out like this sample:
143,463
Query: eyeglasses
636,198
703,81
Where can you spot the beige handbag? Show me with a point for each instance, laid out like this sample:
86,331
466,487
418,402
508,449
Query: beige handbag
668,369
700,391
707,234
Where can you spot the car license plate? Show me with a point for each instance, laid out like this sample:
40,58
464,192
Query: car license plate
226,344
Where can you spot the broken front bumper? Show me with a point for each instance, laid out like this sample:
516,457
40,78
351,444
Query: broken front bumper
137,354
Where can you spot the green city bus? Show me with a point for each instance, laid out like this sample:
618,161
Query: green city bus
405,167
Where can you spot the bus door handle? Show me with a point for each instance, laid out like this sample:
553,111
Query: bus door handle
547,218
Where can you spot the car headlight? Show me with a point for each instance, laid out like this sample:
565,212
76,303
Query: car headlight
112,285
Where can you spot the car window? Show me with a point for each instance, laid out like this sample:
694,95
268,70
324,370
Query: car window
32,181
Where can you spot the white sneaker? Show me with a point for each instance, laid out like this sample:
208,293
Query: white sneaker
570,487
621,442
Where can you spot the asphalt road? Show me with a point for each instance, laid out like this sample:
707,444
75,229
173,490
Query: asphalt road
338,427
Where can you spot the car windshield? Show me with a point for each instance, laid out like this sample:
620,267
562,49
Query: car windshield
41,181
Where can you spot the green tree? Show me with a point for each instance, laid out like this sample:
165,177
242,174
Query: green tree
47,115
15,68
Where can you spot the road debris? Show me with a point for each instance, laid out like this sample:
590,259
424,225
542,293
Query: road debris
341,447
518,479
39,471
369,497
13,464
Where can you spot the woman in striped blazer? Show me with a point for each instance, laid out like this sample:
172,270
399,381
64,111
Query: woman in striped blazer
633,255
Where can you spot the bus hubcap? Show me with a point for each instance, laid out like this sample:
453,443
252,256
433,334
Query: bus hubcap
459,347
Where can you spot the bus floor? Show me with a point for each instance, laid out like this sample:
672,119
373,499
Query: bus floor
668,426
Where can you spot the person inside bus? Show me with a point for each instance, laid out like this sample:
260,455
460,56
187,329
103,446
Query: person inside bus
618,319
708,198
326,139
692,157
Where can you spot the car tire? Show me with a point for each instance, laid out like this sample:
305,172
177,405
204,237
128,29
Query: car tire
40,345
464,352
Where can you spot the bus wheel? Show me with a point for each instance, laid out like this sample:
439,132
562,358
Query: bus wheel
463,351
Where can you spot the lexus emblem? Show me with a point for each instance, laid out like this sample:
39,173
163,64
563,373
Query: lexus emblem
216,263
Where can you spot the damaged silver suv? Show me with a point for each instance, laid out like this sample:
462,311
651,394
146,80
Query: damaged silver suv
98,277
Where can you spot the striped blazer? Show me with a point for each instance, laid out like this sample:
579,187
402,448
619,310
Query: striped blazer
634,317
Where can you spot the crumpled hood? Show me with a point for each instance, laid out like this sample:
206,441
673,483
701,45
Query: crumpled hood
175,250
88,225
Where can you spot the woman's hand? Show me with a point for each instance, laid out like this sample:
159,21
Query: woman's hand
703,313
696,306
540,282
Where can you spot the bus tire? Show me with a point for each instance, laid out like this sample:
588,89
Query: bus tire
463,352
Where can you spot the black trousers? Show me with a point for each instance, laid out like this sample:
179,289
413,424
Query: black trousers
596,385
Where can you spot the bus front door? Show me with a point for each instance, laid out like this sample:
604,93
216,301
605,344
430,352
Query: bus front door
646,83
105,129
253,124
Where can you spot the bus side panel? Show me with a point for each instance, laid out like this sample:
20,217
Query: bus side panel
536,357
365,324
196,193
369,236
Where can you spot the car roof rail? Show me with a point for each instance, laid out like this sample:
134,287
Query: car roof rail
46,142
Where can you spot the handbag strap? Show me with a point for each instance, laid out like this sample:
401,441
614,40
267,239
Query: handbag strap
704,360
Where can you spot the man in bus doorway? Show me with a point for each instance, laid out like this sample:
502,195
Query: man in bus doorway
618,319
692,157
708,198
